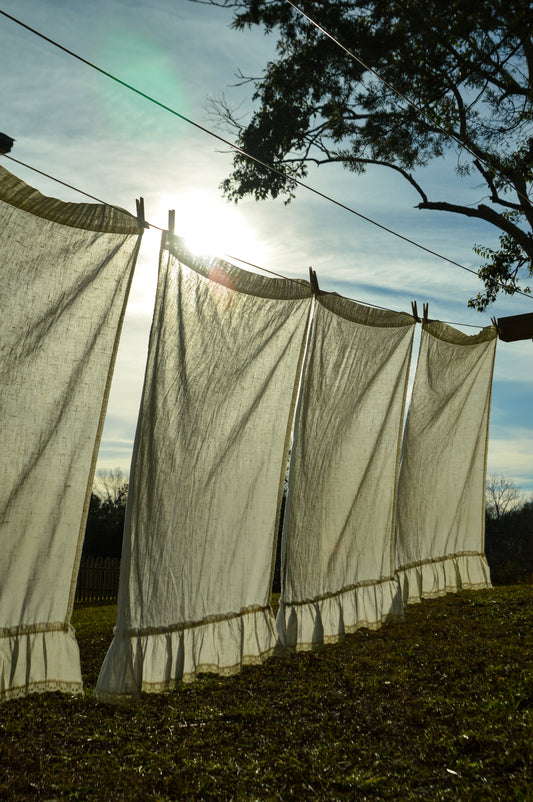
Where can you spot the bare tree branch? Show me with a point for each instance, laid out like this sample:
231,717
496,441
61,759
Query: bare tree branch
501,496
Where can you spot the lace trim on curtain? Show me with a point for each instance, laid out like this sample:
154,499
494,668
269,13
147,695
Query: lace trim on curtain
162,661
86,216
345,589
208,668
307,625
41,658
74,688
430,579
32,629
209,619
430,560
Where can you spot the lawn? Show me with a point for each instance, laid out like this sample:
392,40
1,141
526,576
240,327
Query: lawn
439,706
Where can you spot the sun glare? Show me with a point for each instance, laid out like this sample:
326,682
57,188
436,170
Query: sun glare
212,227
209,227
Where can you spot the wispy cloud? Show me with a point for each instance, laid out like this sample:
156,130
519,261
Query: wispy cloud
74,123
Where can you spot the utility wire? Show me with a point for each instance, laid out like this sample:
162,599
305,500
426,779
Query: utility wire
410,102
76,189
258,267
228,256
349,298
240,150
125,211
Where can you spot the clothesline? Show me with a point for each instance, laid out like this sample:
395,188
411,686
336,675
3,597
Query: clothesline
241,151
357,300
222,394
152,225
233,368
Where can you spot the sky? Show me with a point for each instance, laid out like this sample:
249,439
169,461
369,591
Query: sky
75,124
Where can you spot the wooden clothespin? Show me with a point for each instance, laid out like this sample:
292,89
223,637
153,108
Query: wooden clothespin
425,310
495,324
171,220
140,213
415,311
314,281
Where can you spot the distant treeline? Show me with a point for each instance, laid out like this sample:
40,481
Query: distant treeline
508,539
105,521
509,545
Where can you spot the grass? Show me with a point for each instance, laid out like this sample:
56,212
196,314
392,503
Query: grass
437,707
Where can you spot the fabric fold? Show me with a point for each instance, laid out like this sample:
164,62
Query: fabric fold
160,660
337,572
308,625
36,660
432,578
439,545
223,367
65,273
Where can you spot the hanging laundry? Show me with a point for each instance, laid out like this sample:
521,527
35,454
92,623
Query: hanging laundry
224,360
65,271
337,572
440,530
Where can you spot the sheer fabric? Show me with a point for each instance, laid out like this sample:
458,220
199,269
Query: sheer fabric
65,270
440,532
337,572
209,458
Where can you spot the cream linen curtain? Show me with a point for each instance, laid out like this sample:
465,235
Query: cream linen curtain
440,532
211,445
337,572
65,271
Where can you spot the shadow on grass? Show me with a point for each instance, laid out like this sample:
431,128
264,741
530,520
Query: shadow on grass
439,706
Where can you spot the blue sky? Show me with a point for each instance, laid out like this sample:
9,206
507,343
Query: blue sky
75,124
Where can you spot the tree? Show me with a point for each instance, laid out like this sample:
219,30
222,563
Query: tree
509,533
111,487
468,69
501,496
105,520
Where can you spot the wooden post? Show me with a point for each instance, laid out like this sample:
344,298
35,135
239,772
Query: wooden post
515,327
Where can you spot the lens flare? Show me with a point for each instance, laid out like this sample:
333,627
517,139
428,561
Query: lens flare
141,62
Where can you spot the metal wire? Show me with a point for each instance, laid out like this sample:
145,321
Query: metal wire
242,152
410,102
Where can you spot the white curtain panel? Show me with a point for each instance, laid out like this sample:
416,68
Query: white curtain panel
337,572
65,271
440,533
221,382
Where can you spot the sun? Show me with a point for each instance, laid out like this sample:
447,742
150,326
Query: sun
209,226
212,227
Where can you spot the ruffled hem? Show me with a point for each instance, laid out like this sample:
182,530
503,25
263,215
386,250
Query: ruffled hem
39,661
433,578
158,662
303,626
